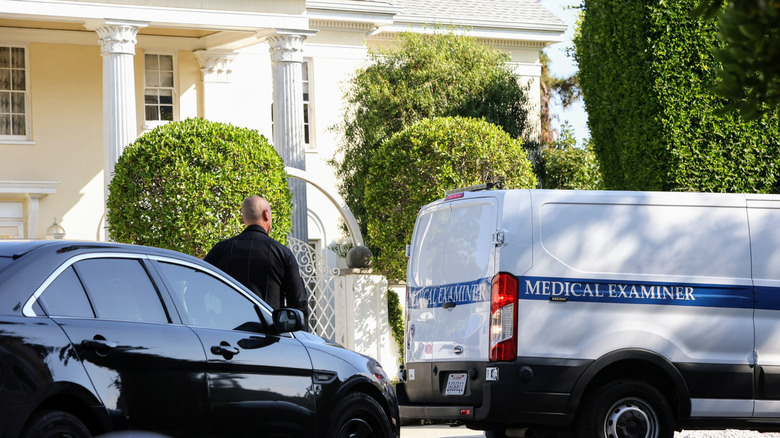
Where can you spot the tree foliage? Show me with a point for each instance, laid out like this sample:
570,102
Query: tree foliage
417,165
567,166
566,90
749,52
646,71
444,74
181,186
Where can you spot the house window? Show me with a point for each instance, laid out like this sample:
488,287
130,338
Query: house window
14,112
305,74
158,88
307,106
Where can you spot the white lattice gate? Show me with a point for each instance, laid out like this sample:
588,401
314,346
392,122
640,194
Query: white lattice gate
325,288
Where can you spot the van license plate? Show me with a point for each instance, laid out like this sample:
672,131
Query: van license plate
456,384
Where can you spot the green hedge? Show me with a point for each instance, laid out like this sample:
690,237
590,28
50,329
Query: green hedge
647,74
181,186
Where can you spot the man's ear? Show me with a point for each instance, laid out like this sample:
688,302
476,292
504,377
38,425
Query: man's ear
266,215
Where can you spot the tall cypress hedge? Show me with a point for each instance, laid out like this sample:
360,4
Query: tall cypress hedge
647,74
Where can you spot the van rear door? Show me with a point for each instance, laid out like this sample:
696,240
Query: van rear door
451,265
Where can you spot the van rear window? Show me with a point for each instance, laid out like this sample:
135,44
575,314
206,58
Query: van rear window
453,243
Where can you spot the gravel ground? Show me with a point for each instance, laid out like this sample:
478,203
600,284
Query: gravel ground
724,434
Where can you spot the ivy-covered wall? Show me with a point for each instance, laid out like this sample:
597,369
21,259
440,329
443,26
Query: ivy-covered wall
647,72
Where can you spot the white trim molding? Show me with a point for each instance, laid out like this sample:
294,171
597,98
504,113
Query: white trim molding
32,192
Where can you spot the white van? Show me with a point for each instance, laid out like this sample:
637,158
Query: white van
603,314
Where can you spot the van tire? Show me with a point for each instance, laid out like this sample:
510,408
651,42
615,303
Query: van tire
55,424
495,434
625,408
359,414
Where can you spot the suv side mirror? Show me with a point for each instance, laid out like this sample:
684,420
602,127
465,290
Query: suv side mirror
287,320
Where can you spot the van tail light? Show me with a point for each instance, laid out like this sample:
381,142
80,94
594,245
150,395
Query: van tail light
503,318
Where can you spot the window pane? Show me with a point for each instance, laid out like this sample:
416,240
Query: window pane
166,113
151,62
5,79
17,103
19,127
152,78
205,301
151,113
66,297
166,62
150,97
120,289
5,124
166,96
17,57
5,103
18,80
5,57
166,79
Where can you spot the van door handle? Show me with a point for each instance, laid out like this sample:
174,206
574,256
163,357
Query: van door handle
449,305
458,349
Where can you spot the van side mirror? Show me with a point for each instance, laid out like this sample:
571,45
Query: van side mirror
287,320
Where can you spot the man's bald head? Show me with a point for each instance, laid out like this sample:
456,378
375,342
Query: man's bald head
256,210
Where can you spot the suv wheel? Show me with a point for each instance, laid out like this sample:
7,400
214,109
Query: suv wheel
359,415
55,424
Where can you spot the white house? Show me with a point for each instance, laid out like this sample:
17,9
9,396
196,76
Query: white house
79,80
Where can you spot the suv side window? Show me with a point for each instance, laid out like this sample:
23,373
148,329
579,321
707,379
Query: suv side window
65,296
205,301
120,289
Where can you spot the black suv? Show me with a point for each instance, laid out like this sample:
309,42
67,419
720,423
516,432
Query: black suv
97,337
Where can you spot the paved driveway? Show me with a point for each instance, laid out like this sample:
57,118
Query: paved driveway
458,432
437,431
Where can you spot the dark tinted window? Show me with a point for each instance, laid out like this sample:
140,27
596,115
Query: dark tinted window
66,297
121,289
206,301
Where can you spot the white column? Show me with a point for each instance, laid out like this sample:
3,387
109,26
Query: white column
286,48
32,214
216,68
117,46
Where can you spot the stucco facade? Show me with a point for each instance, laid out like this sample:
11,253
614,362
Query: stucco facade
77,89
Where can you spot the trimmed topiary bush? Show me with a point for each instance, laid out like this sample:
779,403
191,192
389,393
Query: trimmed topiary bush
418,164
181,186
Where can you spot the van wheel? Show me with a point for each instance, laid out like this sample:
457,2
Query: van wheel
626,409
55,424
358,415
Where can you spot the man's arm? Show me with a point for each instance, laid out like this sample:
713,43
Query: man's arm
295,294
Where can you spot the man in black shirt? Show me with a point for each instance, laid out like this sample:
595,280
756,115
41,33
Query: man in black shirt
259,262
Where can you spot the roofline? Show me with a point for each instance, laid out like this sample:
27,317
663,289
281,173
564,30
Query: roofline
79,12
543,34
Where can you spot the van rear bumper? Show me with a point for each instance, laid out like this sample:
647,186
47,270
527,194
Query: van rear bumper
531,391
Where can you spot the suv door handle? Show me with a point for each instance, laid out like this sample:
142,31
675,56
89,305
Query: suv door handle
225,350
99,344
